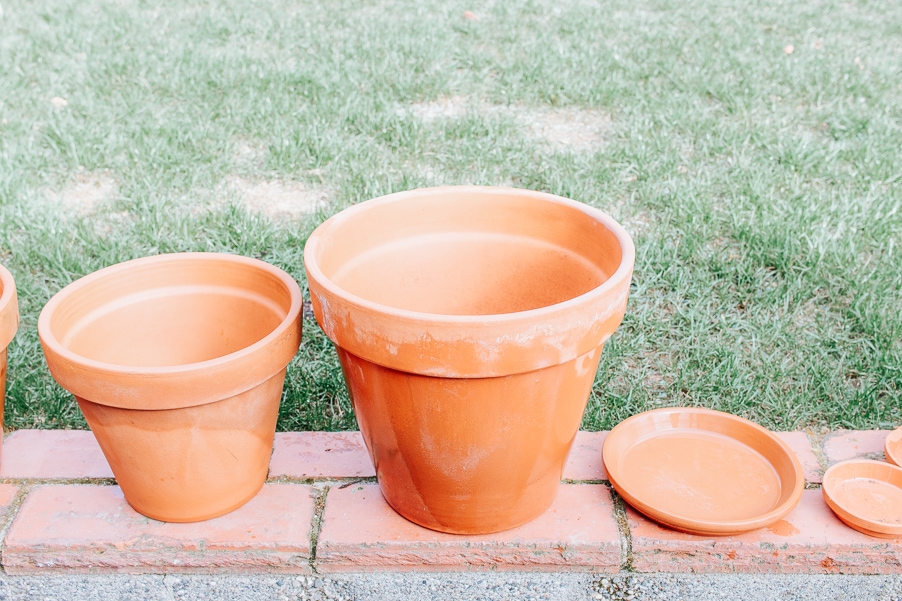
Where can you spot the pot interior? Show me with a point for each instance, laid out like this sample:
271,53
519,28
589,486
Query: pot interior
469,253
170,313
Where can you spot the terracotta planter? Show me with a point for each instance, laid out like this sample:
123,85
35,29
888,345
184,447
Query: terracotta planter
469,324
177,362
9,323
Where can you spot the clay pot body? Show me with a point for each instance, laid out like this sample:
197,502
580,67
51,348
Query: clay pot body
469,323
177,362
9,323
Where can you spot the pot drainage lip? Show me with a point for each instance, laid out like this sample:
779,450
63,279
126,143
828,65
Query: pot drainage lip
702,471
866,495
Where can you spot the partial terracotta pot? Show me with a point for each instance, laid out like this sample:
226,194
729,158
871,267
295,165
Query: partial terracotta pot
892,447
177,362
469,324
9,323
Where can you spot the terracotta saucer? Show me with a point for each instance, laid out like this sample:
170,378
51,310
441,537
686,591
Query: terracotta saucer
702,471
867,496
892,448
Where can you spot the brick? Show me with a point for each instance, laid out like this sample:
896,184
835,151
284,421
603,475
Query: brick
320,455
48,454
810,540
585,461
854,444
7,494
361,532
87,528
801,446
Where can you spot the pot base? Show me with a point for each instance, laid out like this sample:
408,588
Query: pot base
495,465
190,464
199,517
521,518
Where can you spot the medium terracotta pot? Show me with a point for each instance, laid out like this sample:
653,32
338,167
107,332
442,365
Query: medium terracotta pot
9,323
469,323
177,362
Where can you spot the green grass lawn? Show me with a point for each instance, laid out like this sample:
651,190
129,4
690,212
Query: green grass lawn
752,149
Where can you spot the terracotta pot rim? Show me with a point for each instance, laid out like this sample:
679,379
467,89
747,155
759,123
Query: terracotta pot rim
715,527
9,308
623,271
53,345
844,464
849,515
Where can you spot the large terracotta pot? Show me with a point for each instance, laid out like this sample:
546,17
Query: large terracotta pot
9,323
469,324
177,362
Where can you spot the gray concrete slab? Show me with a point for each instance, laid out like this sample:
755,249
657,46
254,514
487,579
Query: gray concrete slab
392,586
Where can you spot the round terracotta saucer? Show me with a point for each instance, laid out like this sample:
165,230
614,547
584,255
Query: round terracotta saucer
702,471
892,448
866,495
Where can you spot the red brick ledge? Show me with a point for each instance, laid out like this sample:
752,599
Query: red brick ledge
321,512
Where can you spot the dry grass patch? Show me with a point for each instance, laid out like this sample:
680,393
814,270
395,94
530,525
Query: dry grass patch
85,194
567,129
453,107
278,199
